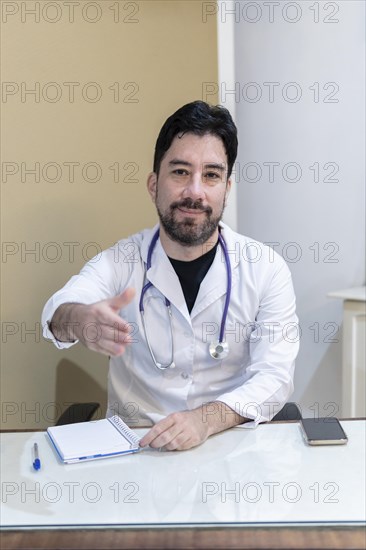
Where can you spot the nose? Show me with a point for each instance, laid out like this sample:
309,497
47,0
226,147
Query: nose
195,187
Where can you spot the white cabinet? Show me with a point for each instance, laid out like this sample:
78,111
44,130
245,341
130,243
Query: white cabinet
354,343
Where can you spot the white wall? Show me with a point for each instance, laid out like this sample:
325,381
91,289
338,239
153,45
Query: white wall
316,122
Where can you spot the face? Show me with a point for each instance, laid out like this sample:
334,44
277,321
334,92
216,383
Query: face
190,192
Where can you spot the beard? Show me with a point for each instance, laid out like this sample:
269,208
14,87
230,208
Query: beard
189,232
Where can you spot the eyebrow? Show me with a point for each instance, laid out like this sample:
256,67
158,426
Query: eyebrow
212,165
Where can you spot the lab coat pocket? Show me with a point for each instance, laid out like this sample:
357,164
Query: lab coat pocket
238,341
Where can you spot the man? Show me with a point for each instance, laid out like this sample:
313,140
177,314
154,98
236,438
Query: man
165,303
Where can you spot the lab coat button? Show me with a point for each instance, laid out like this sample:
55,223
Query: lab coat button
184,375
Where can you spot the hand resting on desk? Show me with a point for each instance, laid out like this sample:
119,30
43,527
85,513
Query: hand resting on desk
181,431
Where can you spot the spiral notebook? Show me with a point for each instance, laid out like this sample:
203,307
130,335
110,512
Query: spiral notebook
93,440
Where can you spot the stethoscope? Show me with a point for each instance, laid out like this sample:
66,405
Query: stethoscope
218,349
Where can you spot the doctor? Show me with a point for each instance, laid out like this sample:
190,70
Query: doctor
199,322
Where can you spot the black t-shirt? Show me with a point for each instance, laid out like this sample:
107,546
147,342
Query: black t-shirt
191,274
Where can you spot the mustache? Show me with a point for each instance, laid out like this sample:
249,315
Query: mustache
191,205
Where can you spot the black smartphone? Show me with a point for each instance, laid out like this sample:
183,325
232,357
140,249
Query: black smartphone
323,431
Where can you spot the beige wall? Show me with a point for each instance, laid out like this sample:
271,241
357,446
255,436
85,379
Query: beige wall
165,51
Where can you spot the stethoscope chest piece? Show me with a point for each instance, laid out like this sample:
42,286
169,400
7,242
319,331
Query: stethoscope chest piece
219,350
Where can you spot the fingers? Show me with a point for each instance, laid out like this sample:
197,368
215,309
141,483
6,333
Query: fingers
181,442
104,341
101,329
155,437
122,300
178,431
106,338
173,439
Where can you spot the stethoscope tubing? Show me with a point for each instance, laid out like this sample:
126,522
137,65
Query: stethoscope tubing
228,289
168,304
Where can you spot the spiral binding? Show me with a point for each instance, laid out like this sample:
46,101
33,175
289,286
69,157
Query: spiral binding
124,430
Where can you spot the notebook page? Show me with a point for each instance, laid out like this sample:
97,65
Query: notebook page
88,439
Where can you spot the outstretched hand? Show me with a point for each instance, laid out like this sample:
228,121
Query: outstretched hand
98,326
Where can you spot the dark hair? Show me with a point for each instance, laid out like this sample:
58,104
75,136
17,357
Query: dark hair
198,118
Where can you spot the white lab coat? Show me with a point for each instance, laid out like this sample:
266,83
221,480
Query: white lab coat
262,331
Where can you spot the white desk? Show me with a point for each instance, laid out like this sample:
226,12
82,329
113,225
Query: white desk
241,477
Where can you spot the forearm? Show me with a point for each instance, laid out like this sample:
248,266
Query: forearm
219,417
64,323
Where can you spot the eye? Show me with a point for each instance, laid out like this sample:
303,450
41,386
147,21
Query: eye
180,172
214,176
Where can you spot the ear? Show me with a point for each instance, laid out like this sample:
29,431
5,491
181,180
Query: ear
152,181
227,191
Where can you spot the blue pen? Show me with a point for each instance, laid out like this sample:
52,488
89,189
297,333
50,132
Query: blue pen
36,462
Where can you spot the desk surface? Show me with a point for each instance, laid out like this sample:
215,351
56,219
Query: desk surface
246,478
